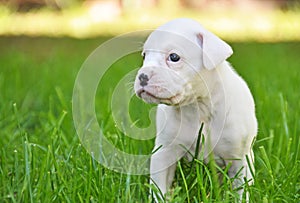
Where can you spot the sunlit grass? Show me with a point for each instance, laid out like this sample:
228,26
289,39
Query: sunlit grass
231,24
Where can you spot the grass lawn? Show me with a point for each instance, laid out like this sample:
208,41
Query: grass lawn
42,159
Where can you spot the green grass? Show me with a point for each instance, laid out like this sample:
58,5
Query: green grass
42,159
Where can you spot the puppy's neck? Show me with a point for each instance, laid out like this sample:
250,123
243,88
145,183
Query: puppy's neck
212,90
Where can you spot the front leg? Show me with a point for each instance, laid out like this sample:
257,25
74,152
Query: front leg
177,130
162,174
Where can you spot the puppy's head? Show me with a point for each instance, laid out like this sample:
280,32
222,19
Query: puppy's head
174,56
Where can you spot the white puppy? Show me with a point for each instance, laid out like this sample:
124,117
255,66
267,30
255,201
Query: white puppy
186,73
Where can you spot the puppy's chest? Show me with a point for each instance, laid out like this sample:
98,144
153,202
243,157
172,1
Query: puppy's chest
205,110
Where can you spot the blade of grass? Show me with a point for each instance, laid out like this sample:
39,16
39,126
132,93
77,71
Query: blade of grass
27,156
197,150
266,160
184,182
284,108
200,174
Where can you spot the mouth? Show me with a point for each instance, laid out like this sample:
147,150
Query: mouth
142,91
151,98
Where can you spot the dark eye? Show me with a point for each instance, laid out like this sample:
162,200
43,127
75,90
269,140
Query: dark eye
144,55
174,57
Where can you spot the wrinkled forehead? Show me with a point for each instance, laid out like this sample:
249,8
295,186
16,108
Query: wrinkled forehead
162,40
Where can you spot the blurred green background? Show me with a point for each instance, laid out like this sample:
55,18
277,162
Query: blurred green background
260,20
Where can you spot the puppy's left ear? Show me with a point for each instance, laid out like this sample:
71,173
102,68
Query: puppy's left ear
214,50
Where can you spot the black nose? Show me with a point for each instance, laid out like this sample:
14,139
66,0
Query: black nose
143,79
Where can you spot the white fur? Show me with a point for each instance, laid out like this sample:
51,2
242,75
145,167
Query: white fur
200,87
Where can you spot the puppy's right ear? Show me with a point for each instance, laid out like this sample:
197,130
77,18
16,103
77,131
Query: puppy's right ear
214,50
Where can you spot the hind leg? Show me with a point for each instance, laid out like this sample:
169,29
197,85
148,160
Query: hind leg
240,171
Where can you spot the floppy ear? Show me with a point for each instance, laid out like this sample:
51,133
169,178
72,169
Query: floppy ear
214,50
